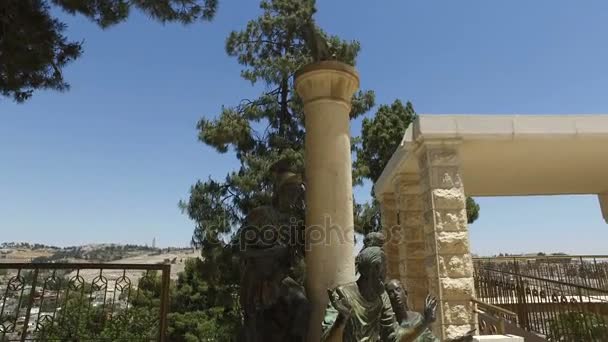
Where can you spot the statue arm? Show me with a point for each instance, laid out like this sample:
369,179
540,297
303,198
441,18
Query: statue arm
412,333
336,316
335,332
393,331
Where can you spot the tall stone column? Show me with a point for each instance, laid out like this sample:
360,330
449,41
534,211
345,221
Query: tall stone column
448,259
392,232
326,89
412,245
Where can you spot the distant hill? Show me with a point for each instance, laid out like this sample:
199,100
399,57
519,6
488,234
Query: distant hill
23,252
94,253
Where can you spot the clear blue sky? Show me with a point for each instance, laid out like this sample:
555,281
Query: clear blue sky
109,160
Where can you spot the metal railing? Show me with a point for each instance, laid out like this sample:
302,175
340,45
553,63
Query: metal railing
585,270
560,301
493,319
83,302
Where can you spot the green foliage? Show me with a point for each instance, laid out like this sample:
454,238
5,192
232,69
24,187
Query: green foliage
578,326
34,49
381,135
199,326
367,217
198,312
472,210
78,320
110,12
264,130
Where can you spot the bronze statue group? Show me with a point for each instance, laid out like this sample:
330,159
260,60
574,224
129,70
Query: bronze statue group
275,306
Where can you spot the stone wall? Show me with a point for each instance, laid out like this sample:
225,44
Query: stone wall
448,262
412,244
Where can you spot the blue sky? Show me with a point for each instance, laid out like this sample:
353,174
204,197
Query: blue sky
109,160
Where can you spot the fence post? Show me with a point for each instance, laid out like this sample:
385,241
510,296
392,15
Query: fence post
164,302
522,309
501,326
30,302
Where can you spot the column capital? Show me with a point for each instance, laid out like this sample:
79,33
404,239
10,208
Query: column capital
327,81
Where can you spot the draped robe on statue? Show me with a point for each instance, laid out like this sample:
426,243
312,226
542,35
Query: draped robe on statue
371,321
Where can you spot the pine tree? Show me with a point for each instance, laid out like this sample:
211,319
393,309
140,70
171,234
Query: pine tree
381,135
34,50
260,132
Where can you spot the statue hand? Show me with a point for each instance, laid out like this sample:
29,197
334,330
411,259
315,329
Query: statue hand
340,303
430,309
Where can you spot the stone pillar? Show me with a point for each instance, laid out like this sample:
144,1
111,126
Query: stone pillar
448,260
412,244
326,89
391,231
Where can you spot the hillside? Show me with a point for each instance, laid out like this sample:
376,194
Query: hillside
97,253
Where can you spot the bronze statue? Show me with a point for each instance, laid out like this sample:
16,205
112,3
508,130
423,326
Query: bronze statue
362,311
317,43
406,319
275,307
411,319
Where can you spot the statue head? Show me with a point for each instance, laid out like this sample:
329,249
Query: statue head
371,266
373,239
397,294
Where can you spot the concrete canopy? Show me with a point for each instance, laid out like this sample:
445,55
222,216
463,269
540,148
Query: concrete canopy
511,155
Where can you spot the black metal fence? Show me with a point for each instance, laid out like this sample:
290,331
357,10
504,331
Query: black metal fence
559,298
83,302
584,270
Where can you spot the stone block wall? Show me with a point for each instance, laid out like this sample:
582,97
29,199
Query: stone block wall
448,263
412,243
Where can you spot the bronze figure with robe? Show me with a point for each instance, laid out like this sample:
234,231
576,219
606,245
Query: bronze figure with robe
407,319
362,311
274,305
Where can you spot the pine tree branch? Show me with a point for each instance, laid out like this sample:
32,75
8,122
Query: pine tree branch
262,100
263,41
